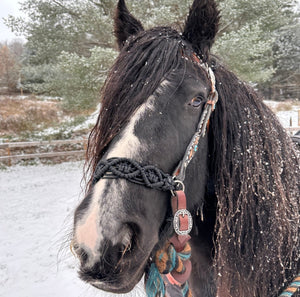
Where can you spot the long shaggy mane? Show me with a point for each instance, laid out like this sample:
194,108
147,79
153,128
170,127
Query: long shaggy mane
256,173
252,161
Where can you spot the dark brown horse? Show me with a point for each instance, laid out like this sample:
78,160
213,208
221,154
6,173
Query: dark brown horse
242,185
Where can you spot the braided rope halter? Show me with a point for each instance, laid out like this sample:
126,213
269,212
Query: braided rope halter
171,266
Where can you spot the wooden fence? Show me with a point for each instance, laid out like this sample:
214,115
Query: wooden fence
11,151
292,130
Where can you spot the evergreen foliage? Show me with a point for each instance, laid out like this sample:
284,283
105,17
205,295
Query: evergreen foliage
258,40
251,31
38,79
80,78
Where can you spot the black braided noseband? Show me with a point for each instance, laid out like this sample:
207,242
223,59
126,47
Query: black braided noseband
148,175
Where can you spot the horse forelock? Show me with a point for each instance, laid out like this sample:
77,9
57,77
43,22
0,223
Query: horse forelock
144,63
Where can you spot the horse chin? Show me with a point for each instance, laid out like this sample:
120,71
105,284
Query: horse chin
117,286
120,282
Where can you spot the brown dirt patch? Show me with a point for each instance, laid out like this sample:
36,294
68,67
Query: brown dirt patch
17,115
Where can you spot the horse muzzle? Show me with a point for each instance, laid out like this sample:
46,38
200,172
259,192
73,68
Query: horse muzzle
116,268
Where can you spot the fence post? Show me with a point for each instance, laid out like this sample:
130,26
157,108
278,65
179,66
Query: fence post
8,154
298,117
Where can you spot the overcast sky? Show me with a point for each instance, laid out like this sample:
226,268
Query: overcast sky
12,7
8,7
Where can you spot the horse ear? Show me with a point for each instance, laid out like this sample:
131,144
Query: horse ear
125,24
201,26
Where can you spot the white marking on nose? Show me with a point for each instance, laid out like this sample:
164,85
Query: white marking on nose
102,218
88,233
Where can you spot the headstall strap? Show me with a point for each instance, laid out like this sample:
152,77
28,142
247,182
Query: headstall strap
203,122
182,221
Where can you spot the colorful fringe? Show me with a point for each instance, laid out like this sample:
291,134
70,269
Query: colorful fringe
292,288
167,260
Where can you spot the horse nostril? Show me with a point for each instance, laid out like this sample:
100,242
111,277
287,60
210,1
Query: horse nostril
126,248
125,236
81,254
112,253
130,241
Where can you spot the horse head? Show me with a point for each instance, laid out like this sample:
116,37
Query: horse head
241,182
156,93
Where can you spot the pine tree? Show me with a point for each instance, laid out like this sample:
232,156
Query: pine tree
257,38
248,33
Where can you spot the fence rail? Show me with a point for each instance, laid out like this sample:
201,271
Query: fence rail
11,151
7,148
292,129
40,143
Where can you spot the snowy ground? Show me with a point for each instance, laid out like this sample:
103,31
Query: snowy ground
287,118
36,208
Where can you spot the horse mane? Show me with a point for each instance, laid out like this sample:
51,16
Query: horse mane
256,173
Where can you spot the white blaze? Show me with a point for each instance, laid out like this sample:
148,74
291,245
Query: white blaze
97,221
129,146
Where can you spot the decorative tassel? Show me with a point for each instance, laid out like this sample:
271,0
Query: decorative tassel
155,284
292,289
167,260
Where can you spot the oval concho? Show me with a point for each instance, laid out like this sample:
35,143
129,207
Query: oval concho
176,222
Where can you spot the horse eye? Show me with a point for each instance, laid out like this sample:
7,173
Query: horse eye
196,101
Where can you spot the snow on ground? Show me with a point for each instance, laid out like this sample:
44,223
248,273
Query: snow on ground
28,96
36,209
87,124
90,121
287,118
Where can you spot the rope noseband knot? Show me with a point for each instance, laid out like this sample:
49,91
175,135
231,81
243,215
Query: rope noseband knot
148,175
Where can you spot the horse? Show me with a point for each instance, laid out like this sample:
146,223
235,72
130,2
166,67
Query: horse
241,186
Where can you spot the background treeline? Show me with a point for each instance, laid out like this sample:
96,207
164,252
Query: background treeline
70,45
